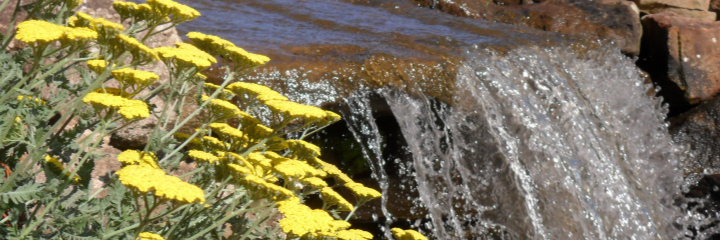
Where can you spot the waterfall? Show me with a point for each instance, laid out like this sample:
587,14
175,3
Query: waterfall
536,144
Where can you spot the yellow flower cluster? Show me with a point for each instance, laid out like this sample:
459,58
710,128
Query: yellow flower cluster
179,12
41,33
331,197
257,91
209,88
141,158
131,77
142,12
56,166
146,179
302,221
105,29
302,149
293,169
314,182
354,234
202,156
186,56
257,185
141,54
292,110
130,109
362,192
32,99
97,66
113,91
149,236
401,234
218,46
222,109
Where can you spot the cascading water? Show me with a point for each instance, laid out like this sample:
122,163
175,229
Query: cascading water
537,144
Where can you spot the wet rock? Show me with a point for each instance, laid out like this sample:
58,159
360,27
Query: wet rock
687,4
618,22
681,56
699,131
615,20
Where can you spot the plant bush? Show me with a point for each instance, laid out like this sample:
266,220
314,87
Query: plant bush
76,79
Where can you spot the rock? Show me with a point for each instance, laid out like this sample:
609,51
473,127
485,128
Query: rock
702,5
618,22
702,15
681,56
699,131
715,6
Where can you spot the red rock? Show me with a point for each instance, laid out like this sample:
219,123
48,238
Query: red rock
682,54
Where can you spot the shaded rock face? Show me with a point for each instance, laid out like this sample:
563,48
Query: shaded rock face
681,56
611,19
715,6
699,131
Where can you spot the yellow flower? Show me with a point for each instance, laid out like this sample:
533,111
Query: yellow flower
41,32
255,184
113,91
302,149
135,77
302,221
129,108
354,234
105,29
259,159
135,157
186,56
209,43
209,88
134,109
331,170
125,9
407,234
78,36
314,182
56,166
149,236
194,143
362,192
331,197
229,133
291,168
223,110
179,12
213,143
257,91
141,53
201,156
146,180
97,66
243,58
294,110
33,99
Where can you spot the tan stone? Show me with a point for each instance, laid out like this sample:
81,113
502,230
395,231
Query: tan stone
702,15
703,5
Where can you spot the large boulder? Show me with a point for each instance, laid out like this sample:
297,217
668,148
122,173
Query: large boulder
681,55
702,15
